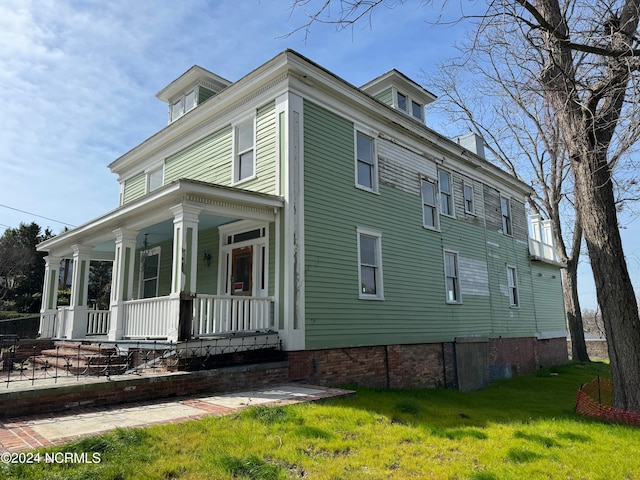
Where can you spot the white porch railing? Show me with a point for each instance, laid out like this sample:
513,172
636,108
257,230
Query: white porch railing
98,322
214,314
542,250
147,318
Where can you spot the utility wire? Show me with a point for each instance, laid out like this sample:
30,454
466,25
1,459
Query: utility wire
36,215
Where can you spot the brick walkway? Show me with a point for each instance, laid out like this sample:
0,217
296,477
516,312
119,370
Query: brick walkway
26,433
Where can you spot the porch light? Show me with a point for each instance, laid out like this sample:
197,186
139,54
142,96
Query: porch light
207,259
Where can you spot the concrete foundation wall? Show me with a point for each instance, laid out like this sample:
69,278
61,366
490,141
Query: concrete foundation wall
597,349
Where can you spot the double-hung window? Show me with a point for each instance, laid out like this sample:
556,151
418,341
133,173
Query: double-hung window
366,165
154,179
429,208
416,110
512,281
244,167
446,193
505,208
149,268
402,102
370,264
182,105
467,191
452,278
408,105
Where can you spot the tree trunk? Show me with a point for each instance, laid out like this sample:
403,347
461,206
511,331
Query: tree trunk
616,297
574,314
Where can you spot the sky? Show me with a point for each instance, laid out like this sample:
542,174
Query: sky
78,80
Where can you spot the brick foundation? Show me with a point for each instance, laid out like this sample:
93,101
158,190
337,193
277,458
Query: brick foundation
385,366
552,351
518,353
133,389
421,365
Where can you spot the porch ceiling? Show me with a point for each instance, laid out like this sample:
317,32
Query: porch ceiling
151,214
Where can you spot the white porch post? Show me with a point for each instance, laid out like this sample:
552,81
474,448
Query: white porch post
184,271
121,280
49,297
77,325
548,232
535,227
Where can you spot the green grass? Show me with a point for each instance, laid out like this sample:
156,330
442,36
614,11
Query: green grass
518,428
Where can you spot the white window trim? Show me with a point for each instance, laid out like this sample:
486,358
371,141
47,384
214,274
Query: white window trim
379,275
510,217
149,253
446,251
436,192
374,179
235,176
150,171
473,198
121,194
512,287
451,194
182,99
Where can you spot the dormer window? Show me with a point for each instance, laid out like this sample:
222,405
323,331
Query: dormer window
182,105
400,92
191,89
403,102
416,110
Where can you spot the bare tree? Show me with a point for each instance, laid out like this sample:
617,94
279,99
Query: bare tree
523,139
582,56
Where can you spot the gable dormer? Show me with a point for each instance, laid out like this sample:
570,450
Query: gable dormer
191,89
400,92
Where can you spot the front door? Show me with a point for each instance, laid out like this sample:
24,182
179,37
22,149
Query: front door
242,271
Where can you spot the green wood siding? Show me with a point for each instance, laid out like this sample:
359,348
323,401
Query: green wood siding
547,291
414,309
208,160
265,180
386,96
208,241
204,94
164,272
207,277
134,187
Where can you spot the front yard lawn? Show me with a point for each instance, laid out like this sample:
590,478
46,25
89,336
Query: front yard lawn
518,428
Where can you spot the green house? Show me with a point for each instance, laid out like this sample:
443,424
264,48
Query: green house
293,204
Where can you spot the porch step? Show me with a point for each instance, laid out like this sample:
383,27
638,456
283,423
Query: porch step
78,354
82,358
74,366
90,347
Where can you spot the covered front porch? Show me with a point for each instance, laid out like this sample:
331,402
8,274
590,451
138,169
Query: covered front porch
189,260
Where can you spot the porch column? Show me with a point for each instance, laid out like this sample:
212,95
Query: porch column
121,280
548,232
184,271
49,297
535,227
77,326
